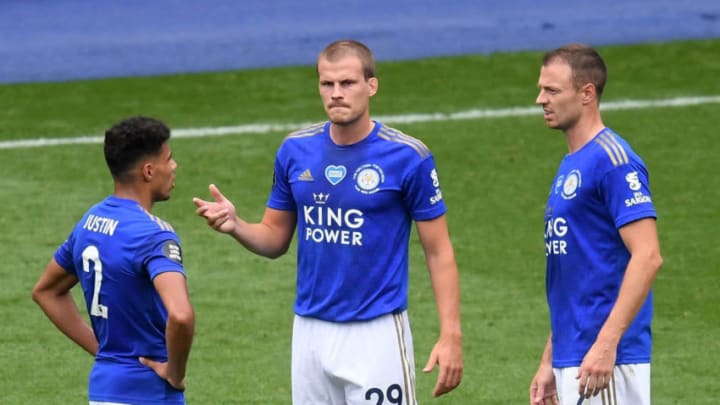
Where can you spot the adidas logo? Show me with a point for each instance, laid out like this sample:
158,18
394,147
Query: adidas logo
320,198
306,176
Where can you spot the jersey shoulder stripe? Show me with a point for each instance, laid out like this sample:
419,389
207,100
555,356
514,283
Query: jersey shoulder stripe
393,135
614,149
312,130
162,224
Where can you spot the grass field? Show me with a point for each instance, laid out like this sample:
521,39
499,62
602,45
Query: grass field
495,174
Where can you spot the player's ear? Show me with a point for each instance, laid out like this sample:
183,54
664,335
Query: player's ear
589,93
373,84
146,171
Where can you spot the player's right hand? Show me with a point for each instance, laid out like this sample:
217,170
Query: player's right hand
543,390
219,214
161,370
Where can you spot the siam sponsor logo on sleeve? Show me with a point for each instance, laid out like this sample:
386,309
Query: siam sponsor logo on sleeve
435,178
633,181
437,197
635,185
638,198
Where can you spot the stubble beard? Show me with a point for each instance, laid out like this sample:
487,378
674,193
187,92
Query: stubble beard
345,121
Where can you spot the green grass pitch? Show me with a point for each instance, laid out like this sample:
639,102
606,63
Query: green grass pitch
495,174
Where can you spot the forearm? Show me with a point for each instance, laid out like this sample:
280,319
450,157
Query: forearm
179,337
634,290
446,287
546,359
260,239
64,314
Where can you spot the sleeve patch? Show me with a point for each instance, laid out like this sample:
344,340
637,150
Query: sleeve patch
172,251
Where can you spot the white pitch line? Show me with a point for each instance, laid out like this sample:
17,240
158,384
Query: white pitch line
473,114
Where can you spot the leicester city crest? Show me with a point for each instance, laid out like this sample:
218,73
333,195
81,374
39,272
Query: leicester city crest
368,178
571,184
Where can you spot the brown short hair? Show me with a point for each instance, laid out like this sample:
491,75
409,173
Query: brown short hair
586,64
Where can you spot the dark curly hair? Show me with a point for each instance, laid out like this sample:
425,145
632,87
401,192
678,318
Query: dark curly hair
130,140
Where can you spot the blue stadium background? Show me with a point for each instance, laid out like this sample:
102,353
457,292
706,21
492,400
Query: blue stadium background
46,40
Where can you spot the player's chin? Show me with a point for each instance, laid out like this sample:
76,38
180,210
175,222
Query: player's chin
164,196
338,119
343,120
552,124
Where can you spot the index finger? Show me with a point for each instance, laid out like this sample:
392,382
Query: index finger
199,202
440,388
583,382
202,209
445,383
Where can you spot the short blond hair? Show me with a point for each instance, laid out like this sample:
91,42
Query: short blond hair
345,47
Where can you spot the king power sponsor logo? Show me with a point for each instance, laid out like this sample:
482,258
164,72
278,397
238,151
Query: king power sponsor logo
555,230
333,225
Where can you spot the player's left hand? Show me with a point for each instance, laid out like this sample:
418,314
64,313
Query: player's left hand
161,370
596,370
447,354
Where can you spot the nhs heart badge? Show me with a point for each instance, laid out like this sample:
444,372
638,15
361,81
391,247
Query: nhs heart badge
335,174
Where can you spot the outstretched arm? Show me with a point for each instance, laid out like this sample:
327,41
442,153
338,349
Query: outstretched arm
52,294
270,237
440,257
641,239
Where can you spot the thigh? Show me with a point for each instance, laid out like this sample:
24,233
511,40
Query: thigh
378,364
310,384
368,363
630,385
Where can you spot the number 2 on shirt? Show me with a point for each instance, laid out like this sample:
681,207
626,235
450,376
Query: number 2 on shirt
91,255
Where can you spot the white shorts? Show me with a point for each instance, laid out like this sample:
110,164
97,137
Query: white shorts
353,363
630,385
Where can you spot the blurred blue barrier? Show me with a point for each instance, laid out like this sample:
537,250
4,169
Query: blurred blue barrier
46,40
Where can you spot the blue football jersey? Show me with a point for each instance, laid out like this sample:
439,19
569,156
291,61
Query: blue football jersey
596,191
115,251
355,205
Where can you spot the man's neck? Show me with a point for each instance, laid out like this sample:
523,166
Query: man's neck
131,193
352,133
583,132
